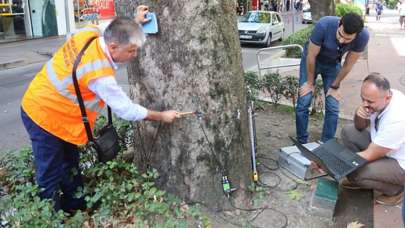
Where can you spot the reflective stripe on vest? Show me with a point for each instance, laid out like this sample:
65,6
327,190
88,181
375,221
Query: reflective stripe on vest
61,85
51,101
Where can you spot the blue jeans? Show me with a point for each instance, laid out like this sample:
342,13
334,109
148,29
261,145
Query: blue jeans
403,210
328,73
56,167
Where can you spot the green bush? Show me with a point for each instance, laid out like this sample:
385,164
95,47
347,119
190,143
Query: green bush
254,84
391,3
342,9
274,86
300,38
278,87
317,102
290,88
126,196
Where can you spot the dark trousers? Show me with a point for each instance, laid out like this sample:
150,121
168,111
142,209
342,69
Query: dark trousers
384,175
56,167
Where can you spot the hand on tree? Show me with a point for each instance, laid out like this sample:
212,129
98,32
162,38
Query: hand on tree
305,89
334,93
141,12
169,116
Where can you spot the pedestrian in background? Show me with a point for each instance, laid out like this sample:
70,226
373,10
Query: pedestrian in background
401,11
50,109
378,9
367,9
274,5
331,38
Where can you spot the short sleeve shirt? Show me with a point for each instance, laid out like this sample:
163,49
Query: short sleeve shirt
324,35
387,129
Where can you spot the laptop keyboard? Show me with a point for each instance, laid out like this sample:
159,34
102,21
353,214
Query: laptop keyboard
334,163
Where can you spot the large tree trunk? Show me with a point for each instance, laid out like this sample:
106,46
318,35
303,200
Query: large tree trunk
193,63
322,8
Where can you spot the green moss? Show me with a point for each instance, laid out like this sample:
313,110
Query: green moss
227,119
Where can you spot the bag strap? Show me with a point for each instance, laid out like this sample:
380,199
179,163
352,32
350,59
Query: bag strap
79,95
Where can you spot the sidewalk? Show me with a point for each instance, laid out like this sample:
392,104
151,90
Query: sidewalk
21,53
25,52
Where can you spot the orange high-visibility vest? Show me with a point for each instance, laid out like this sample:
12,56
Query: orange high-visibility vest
51,101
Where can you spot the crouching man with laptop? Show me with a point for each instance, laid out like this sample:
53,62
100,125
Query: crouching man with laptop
379,136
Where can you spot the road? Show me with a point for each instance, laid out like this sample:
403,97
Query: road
14,82
249,51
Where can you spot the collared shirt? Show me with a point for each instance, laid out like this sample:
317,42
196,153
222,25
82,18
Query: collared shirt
112,94
387,129
324,36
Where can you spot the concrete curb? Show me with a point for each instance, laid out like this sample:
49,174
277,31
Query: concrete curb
11,64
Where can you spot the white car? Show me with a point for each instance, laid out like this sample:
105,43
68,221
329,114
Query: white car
306,16
260,27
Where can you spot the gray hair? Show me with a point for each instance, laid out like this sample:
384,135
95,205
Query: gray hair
378,80
123,30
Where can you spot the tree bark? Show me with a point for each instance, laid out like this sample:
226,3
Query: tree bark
322,8
193,64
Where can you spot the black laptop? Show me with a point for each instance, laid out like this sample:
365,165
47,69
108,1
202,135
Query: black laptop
333,157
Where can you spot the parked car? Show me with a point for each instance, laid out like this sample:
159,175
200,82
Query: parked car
306,16
260,27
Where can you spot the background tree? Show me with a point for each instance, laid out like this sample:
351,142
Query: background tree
193,63
322,8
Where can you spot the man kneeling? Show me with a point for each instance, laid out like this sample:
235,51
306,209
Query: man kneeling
378,134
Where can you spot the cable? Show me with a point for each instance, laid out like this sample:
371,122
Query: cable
152,149
210,146
261,209
145,156
277,165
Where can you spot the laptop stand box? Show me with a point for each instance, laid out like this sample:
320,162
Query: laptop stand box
291,159
334,158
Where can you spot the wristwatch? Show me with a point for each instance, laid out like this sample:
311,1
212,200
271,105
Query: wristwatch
334,86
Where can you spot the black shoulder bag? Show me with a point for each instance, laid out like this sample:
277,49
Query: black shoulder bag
106,144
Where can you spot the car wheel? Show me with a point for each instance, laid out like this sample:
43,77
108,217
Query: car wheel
281,37
268,42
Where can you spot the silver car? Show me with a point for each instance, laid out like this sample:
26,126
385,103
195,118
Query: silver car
260,27
306,16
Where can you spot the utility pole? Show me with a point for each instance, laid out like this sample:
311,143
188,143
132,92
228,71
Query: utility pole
67,19
292,6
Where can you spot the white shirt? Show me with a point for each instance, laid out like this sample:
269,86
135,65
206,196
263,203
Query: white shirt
401,9
108,90
390,131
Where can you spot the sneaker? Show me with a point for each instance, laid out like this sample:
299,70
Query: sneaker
390,200
349,185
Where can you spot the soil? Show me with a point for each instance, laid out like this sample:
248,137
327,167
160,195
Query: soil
287,197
